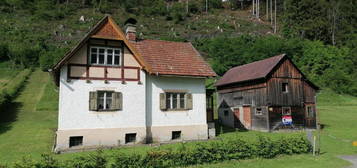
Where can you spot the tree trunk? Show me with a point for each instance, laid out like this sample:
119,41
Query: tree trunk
267,9
253,7
275,28
206,6
271,12
187,6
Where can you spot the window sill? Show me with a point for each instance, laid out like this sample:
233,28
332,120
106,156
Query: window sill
104,65
176,110
104,111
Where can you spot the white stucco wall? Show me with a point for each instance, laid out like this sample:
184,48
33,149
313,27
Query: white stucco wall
74,104
157,84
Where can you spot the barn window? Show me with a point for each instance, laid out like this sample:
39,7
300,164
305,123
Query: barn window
75,141
105,101
175,101
285,87
176,135
130,138
310,111
286,111
258,111
105,56
225,112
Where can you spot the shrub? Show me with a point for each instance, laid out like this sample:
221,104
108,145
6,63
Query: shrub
95,160
185,155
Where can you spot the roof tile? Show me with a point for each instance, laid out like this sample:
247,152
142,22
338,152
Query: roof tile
173,58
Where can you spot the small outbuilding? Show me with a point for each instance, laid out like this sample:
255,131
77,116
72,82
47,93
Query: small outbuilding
267,95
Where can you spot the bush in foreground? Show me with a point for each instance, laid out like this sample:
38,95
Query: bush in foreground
185,155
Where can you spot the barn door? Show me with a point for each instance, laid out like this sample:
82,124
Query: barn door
310,113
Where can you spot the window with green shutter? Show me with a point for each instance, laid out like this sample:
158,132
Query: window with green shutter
105,101
175,101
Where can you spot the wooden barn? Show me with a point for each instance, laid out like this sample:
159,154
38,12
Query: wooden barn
267,95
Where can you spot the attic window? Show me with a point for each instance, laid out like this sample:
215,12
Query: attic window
105,56
285,87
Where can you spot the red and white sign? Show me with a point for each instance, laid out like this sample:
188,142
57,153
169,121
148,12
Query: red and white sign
287,120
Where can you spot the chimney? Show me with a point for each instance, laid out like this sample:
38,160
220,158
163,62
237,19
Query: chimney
130,32
130,29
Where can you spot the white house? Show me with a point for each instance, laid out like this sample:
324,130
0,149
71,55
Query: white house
115,89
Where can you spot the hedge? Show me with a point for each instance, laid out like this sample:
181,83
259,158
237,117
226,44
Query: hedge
13,87
188,154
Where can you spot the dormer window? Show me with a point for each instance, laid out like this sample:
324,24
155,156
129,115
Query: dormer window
105,56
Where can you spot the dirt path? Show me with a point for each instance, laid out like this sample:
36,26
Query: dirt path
352,159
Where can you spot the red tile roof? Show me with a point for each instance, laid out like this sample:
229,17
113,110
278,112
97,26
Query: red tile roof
173,58
255,70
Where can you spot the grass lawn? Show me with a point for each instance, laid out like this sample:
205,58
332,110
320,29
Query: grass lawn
6,73
31,132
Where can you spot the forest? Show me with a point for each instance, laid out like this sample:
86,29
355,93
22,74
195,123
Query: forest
320,36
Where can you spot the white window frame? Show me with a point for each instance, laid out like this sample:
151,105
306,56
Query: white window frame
104,100
256,111
178,99
312,111
283,109
106,55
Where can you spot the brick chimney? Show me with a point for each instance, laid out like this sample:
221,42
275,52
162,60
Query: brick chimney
130,32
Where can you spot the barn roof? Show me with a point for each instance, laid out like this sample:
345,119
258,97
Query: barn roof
173,58
255,70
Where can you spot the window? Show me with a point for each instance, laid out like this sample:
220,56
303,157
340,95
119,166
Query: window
286,111
175,100
176,135
285,87
75,141
105,101
225,112
258,111
105,56
310,111
130,138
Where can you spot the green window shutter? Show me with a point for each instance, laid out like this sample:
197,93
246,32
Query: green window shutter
162,101
188,99
117,101
93,101
120,101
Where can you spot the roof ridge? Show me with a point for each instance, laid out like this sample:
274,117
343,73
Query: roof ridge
248,64
164,41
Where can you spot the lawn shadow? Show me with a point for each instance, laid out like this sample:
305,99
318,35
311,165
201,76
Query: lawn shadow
8,114
221,129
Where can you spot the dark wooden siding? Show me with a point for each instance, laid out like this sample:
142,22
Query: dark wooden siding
260,122
297,114
294,96
286,70
309,93
254,97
